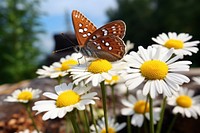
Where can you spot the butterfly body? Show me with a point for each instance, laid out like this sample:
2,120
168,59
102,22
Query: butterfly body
104,43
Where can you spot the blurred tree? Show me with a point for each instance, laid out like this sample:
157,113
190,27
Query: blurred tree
18,30
148,18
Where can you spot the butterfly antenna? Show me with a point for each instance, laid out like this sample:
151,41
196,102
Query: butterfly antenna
56,51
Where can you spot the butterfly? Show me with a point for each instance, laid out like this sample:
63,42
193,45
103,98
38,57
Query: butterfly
104,43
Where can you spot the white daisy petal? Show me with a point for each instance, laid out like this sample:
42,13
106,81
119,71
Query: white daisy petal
50,95
96,80
146,88
137,82
127,111
152,90
137,120
158,87
89,95
167,56
120,126
127,103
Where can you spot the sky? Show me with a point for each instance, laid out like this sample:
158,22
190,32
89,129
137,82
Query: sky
58,17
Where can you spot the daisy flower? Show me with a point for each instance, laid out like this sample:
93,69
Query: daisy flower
139,108
59,69
113,127
116,79
157,69
95,71
177,41
65,100
185,103
24,95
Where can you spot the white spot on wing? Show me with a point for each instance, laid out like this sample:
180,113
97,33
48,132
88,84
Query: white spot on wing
107,44
85,29
88,33
94,37
102,41
84,35
80,25
110,48
80,30
95,43
98,47
105,32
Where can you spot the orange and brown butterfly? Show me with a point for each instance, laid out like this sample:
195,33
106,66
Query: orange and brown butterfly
104,43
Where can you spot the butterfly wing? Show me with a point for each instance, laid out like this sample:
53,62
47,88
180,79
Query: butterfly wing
105,42
114,28
82,26
111,48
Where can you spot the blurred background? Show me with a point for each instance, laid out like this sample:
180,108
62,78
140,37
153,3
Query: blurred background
30,29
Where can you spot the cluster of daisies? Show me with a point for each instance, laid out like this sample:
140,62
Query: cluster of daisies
140,77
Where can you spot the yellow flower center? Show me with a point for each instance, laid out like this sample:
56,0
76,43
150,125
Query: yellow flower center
67,98
67,65
141,107
173,43
114,79
154,69
110,130
25,95
184,101
99,66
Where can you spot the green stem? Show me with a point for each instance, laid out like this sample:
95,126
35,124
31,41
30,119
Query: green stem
161,115
128,117
59,79
67,124
103,91
145,120
172,123
86,121
93,119
73,121
28,109
113,100
128,124
151,114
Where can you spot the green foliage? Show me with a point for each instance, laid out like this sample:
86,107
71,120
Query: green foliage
18,30
148,18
